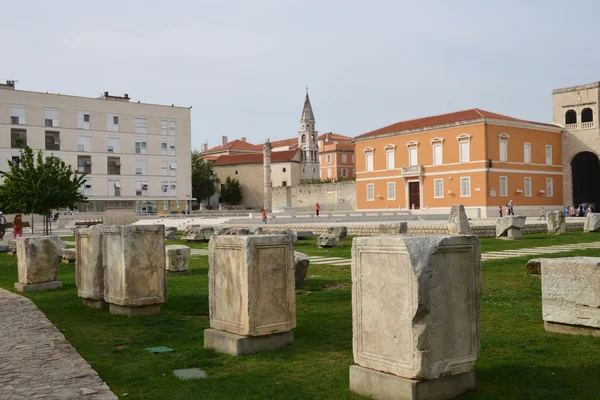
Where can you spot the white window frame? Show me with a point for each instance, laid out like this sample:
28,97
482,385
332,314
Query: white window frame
344,172
141,125
370,186
53,115
464,159
143,145
165,168
164,126
20,112
172,168
435,183
344,158
328,158
116,147
87,145
172,148
328,172
527,153
505,179
369,166
527,190
548,154
391,185
416,153
549,187
172,128
435,146
143,168
390,159
503,141
466,179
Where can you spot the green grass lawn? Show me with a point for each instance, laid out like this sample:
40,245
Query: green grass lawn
518,359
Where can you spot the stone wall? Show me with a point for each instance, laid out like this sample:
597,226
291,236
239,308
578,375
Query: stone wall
337,196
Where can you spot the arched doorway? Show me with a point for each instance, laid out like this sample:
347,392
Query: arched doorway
585,169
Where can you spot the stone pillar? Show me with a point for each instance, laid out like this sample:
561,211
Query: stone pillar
89,270
415,315
267,176
571,295
134,268
251,294
178,259
557,223
458,223
38,262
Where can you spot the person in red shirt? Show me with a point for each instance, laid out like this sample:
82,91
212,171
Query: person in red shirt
264,215
317,209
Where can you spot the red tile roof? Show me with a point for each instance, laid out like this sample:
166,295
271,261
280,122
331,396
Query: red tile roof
235,145
444,119
293,143
254,158
334,136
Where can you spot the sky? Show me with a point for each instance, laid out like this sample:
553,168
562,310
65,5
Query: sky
243,65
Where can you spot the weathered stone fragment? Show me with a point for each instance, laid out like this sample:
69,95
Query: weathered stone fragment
238,231
222,231
534,266
458,223
301,263
38,263
4,247
396,228
178,259
327,241
252,299
198,234
510,227
68,255
12,247
89,270
170,234
592,222
303,235
134,268
258,231
571,295
557,223
339,231
415,315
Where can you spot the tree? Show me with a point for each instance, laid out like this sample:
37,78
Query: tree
36,185
231,191
204,178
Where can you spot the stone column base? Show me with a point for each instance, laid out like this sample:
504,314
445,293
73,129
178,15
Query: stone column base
237,345
37,287
94,303
571,329
382,386
134,311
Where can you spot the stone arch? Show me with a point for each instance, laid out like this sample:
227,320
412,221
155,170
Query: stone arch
585,171
570,117
587,115
303,139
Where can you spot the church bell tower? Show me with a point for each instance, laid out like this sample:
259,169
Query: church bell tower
308,142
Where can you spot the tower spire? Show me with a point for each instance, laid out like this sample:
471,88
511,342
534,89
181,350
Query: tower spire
307,112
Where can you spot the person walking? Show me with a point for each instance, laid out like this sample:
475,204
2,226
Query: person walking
2,225
542,215
317,209
17,226
264,216
511,210
500,210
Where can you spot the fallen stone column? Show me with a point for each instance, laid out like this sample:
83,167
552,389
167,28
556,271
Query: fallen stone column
38,262
415,316
89,268
251,293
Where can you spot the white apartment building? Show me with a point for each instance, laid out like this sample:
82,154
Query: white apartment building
136,155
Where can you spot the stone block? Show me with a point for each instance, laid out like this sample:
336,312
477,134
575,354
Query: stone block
170,235
198,234
326,241
339,231
592,222
304,235
458,223
557,222
37,287
237,345
139,311
178,258
89,269
534,266
38,259
301,263
415,304
509,228
69,255
396,228
258,231
571,291
12,247
221,231
251,284
287,232
134,266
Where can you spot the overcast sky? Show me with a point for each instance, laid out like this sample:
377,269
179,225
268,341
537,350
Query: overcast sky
243,65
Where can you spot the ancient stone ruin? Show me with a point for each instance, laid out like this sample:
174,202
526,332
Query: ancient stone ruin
557,222
198,234
592,222
396,228
38,262
510,228
458,223
178,259
327,241
301,263
89,270
339,231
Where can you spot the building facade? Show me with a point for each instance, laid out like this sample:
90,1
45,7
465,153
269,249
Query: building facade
136,156
336,157
473,157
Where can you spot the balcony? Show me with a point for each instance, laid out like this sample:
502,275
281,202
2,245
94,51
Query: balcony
409,171
580,126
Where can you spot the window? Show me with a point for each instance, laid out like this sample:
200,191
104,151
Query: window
283,183
344,158
328,158
587,115
165,205
114,188
503,150
115,120
173,168
165,168
52,140
465,151
163,147
113,145
570,117
438,188
173,188
86,117
84,164
527,186
465,186
141,188
112,123
113,165
51,117
413,158
172,147
390,161
391,191
329,172
344,172
141,167
549,187
352,158
141,146
178,202
548,154
370,192
16,161
18,138
527,153
369,161
84,120
86,187
172,130
84,144
140,125
503,186
18,115
438,158
164,127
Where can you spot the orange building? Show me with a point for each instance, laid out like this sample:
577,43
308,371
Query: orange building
473,157
336,156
